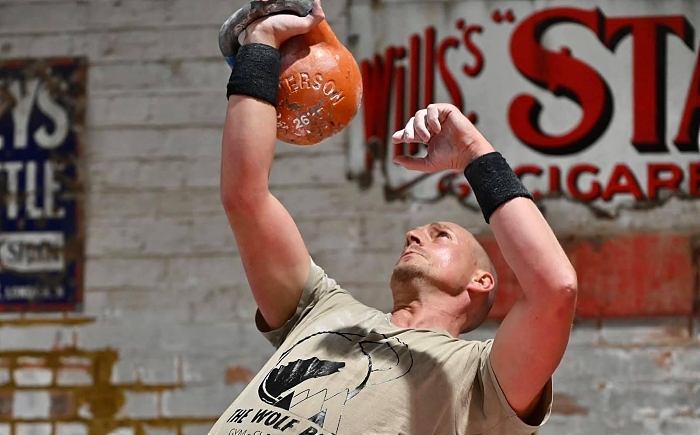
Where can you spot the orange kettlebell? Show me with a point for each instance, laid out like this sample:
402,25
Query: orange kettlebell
320,87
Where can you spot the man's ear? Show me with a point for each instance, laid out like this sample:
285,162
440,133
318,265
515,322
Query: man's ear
481,282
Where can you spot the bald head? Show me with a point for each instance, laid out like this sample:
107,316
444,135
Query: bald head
445,258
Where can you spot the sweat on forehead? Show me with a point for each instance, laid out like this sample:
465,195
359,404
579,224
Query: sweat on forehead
449,226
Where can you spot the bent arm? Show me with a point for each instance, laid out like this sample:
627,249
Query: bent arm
272,250
532,339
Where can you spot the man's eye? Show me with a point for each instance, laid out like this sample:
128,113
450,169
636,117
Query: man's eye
443,234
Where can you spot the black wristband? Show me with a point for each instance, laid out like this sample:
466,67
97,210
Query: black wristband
494,183
256,73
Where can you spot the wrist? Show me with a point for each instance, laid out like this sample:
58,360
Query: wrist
260,37
493,182
476,149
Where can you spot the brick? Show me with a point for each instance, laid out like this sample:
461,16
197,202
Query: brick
345,266
333,202
34,377
73,377
212,234
140,405
334,144
450,210
238,374
128,336
33,429
684,363
39,338
154,44
144,14
63,405
574,425
210,271
201,369
571,218
681,425
137,305
330,234
585,332
39,46
115,272
200,401
122,237
204,172
149,203
71,429
161,431
663,331
144,236
151,368
660,400
6,404
324,169
32,404
638,275
626,365
387,233
225,304
187,339
175,142
29,18
197,429
159,74
134,174
623,276
203,108
4,376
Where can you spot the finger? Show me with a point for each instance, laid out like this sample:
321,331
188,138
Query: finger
406,135
397,137
432,119
421,129
317,12
413,163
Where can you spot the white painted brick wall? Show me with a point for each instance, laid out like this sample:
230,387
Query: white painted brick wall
163,281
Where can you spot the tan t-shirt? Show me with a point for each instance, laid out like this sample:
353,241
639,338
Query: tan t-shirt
343,368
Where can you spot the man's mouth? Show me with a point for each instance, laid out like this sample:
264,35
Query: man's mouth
407,253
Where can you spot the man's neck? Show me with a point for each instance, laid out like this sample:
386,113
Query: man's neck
428,315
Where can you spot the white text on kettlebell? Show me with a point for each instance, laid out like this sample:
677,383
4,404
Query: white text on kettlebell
301,81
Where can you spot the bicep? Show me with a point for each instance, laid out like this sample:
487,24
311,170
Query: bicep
528,347
274,257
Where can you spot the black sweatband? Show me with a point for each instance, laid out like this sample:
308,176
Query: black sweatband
256,73
494,183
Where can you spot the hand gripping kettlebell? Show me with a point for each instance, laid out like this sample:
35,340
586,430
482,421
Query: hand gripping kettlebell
320,87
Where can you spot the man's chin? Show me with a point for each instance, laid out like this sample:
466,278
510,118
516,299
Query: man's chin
405,271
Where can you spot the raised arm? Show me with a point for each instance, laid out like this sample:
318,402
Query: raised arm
531,341
272,250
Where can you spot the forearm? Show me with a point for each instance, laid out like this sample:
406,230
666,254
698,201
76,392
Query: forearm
248,149
250,127
532,251
525,239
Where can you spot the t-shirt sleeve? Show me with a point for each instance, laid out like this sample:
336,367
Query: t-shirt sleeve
318,289
497,416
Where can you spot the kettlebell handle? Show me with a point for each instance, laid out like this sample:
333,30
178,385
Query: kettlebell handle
256,9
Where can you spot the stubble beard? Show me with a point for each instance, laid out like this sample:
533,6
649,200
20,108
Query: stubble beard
405,273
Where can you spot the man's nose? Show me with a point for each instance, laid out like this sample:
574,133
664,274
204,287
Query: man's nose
414,236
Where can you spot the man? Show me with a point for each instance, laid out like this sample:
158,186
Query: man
344,368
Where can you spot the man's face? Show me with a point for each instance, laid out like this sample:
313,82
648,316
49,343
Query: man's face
440,253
